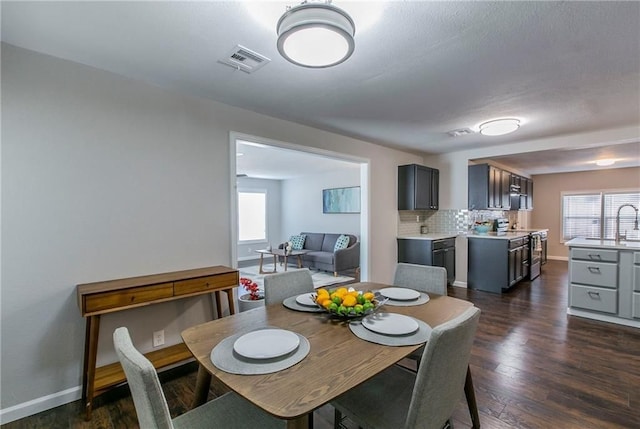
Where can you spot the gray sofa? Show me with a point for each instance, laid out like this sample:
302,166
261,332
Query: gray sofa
322,257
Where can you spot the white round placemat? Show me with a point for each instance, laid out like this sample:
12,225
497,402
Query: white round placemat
292,304
224,358
421,336
390,323
400,293
424,298
266,343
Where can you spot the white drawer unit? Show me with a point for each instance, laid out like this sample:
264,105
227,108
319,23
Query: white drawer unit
594,298
636,305
636,271
594,273
595,255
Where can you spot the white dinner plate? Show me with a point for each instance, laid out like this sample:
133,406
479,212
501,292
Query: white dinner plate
400,293
305,299
266,343
390,324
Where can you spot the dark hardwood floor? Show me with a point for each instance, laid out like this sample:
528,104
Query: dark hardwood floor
533,367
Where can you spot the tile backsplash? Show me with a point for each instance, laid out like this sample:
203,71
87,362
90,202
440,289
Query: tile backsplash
448,221
436,221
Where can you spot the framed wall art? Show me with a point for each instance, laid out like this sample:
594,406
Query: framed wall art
341,200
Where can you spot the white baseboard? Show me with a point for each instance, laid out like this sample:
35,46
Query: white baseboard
38,405
459,284
558,258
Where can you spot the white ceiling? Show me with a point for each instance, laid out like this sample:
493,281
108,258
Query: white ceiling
420,70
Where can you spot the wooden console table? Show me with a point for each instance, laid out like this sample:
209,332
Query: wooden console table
95,299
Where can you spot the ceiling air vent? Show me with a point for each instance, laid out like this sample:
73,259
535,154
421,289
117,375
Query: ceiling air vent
460,132
244,59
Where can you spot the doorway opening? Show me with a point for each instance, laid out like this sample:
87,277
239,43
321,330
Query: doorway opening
292,177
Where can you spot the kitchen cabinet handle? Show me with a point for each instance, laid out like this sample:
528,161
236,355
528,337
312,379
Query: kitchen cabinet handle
594,269
594,295
595,256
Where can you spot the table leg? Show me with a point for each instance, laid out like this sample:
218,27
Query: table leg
299,423
89,367
299,261
471,400
203,381
232,307
285,262
261,259
218,304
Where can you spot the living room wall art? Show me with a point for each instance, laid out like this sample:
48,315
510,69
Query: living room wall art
341,200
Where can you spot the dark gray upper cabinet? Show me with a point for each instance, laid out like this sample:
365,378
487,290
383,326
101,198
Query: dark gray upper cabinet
489,188
418,187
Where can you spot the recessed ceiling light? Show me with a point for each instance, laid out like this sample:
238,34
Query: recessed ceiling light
605,162
499,127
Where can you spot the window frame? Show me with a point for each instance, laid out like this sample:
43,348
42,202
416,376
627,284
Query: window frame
266,214
602,215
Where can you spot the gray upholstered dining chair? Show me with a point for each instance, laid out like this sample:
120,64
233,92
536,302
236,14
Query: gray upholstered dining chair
398,398
279,286
423,278
225,412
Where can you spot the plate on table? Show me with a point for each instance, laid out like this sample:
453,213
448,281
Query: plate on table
390,324
306,299
266,343
400,293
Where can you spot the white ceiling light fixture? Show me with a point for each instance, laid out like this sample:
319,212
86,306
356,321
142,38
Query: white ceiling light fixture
605,162
499,127
316,35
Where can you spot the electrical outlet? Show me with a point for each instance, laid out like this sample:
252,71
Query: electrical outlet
158,338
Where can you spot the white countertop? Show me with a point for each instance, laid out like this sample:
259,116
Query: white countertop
502,236
430,236
606,244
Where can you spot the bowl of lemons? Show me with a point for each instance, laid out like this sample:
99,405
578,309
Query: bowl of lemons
346,303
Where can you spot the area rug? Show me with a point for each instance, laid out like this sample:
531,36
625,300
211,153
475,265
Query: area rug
320,278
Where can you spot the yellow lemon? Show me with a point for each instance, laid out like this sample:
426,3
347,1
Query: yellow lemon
369,296
349,301
342,291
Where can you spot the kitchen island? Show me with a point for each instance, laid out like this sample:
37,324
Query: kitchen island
604,280
497,260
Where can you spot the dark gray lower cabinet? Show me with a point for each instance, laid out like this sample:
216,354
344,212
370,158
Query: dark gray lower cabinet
438,253
497,264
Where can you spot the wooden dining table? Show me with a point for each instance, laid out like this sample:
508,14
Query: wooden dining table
337,360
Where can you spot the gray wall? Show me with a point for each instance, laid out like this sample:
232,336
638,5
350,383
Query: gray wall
302,203
104,177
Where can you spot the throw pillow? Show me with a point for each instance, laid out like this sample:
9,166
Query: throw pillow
341,243
297,241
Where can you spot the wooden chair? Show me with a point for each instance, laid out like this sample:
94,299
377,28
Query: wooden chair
279,286
228,411
397,398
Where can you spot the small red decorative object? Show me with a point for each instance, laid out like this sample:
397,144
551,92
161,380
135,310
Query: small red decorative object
251,287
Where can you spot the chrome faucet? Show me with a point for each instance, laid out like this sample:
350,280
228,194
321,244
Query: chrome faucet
635,227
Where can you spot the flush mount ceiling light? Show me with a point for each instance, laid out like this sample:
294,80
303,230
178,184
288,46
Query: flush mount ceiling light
605,162
316,35
499,127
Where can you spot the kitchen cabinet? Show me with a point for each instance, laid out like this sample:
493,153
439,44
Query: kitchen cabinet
497,263
489,188
604,281
593,277
418,187
438,253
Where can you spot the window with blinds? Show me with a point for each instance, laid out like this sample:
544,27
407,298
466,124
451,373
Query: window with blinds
593,215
